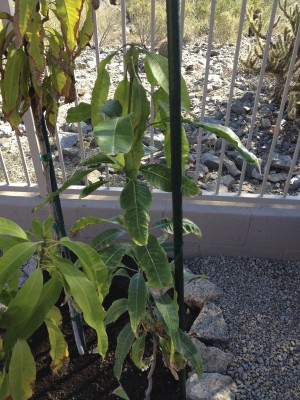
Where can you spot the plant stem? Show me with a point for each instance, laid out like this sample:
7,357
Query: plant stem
150,375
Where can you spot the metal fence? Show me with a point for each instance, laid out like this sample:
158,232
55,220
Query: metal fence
28,160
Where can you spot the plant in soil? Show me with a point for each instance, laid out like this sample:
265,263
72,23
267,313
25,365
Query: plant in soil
119,126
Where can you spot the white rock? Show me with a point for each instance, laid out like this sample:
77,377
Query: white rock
210,387
200,291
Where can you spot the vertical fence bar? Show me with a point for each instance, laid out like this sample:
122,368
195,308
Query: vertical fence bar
2,164
174,56
152,48
231,90
259,86
281,110
291,171
60,154
123,14
96,37
23,160
208,53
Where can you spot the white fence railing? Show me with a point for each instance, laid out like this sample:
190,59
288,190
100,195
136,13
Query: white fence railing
35,181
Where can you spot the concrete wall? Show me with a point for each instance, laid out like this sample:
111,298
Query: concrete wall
249,227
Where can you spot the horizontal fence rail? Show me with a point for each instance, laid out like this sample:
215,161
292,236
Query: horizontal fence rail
28,154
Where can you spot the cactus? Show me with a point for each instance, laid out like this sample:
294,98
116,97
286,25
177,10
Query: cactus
281,48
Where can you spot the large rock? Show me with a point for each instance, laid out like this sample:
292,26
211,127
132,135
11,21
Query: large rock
214,359
200,291
210,387
210,325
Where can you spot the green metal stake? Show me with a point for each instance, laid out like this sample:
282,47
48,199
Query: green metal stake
174,56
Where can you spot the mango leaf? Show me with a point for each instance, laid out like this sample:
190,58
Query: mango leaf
87,29
10,228
190,352
140,110
23,13
227,134
86,191
184,147
14,258
112,109
124,343
137,300
72,181
22,371
97,160
11,80
59,348
188,226
49,296
4,385
117,308
137,353
8,242
168,309
80,113
161,108
68,13
156,68
115,135
188,277
92,263
153,260
100,90
36,49
87,300
112,256
56,43
120,392
20,307
160,177
3,43
83,222
105,238
136,201
122,96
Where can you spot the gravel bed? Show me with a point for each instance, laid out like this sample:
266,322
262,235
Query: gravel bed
261,305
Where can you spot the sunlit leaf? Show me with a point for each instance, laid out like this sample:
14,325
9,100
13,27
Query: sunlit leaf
23,13
22,371
10,228
153,260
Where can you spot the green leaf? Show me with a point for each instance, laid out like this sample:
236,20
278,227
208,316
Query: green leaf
72,181
105,238
68,13
97,160
227,134
156,68
124,343
20,307
100,90
189,188
83,222
91,188
91,261
168,309
112,256
22,371
23,13
14,258
188,277
117,308
49,296
122,96
153,260
87,300
10,228
137,353
136,201
11,80
87,29
59,348
115,135
188,226
137,300
140,106
184,147
121,393
80,113
112,109
190,352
